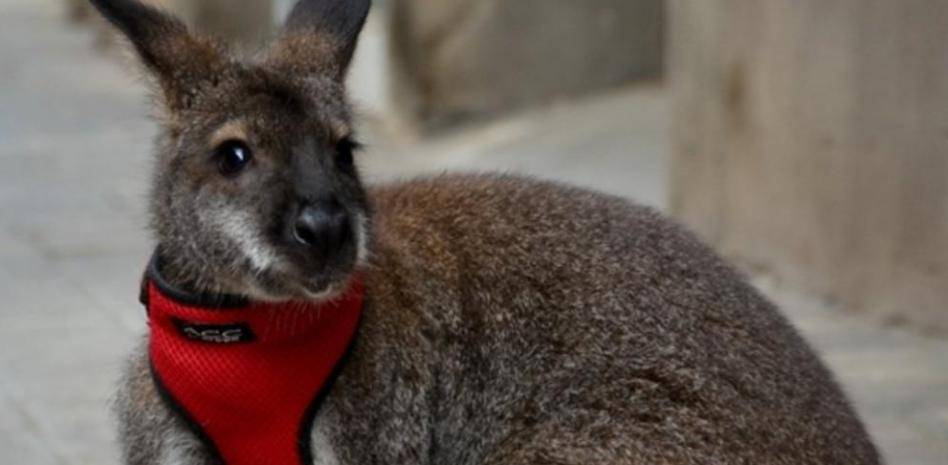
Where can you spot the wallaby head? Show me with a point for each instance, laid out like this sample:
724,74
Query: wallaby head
255,191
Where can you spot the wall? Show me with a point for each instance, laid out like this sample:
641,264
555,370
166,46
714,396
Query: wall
810,139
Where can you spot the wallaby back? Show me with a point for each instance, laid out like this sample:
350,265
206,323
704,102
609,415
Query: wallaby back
516,321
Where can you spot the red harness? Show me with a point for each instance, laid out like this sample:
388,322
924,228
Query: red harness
248,377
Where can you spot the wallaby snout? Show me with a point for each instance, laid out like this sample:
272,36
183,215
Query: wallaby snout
322,226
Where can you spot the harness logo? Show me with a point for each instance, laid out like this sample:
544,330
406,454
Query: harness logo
215,334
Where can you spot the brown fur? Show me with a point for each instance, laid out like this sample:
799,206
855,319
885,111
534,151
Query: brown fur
508,321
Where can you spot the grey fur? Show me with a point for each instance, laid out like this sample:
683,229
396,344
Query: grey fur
508,321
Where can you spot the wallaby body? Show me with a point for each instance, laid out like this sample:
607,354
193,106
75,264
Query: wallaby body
507,321
511,321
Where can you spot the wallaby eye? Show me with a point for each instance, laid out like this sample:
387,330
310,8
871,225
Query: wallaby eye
344,149
232,157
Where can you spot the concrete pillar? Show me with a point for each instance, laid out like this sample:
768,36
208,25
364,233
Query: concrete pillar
245,25
810,138
459,59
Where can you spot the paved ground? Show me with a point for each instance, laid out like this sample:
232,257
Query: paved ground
73,163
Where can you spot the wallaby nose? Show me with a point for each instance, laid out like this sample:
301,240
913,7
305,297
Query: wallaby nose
323,226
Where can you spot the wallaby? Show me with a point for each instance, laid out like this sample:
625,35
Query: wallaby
297,317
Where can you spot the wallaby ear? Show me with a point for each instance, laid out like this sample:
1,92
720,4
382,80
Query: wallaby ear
178,59
320,36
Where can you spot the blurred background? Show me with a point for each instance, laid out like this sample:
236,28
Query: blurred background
806,140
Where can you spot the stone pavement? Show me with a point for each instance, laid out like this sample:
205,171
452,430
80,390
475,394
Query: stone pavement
73,177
